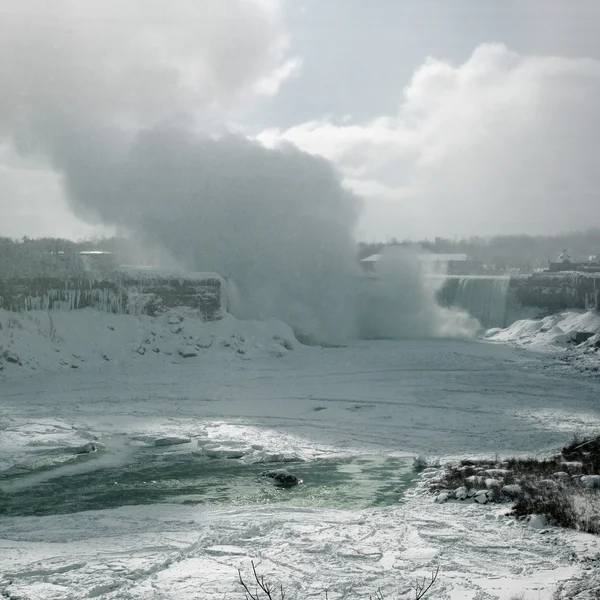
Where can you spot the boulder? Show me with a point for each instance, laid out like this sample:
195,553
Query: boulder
9,357
188,352
579,337
281,478
461,493
590,481
491,483
481,497
442,497
512,491
87,448
537,521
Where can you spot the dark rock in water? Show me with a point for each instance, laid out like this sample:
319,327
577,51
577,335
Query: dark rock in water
86,448
281,477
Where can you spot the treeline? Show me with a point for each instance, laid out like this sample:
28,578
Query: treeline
523,252
55,257
45,257
61,258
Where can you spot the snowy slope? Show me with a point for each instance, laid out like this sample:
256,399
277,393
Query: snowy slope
558,334
88,338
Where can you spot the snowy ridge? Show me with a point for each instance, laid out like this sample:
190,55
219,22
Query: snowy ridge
89,338
574,335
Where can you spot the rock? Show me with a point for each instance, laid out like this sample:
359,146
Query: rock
442,497
548,483
590,481
461,493
171,441
419,463
492,483
86,448
561,475
475,480
579,337
204,342
537,521
497,472
9,357
512,491
482,497
188,352
281,478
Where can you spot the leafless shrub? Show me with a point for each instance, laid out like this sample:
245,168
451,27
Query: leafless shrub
261,589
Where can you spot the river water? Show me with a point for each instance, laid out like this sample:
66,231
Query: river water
187,442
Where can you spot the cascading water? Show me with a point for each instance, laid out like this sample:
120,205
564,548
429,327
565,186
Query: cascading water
484,297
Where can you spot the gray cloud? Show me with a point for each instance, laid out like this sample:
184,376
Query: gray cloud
123,99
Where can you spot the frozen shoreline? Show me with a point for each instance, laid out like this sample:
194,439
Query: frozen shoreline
443,397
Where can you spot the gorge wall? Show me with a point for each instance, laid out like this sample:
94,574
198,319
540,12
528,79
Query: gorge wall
125,291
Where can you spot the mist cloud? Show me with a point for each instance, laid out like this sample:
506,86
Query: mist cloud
501,143
278,222
128,102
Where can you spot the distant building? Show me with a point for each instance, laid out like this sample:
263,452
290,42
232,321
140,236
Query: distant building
564,263
449,264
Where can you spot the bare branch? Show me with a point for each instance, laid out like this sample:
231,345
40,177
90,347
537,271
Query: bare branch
422,587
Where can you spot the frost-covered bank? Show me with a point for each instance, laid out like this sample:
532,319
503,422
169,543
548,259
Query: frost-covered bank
573,336
89,339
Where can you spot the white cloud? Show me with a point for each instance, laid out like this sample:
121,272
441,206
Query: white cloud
501,143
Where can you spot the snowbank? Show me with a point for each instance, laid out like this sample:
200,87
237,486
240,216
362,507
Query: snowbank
574,334
88,338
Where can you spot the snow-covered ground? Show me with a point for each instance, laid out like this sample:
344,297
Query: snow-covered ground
574,336
246,395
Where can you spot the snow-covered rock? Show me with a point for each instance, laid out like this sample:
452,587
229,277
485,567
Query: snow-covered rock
497,472
187,352
537,521
512,491
590,481
491,483
462,493
481,496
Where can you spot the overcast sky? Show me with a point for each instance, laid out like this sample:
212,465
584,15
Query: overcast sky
449,118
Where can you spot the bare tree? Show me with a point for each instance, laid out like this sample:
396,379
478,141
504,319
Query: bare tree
263,590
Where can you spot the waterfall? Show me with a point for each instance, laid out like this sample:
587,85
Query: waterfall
483,297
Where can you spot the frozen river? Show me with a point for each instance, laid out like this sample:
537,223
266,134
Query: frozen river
141,518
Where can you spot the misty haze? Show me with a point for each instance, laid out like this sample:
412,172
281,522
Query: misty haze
299,299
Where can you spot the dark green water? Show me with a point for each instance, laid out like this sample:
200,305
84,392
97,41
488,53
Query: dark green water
192,478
